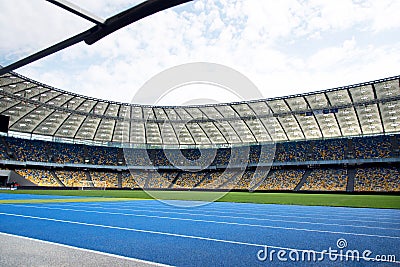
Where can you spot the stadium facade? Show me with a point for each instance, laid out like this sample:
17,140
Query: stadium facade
341,139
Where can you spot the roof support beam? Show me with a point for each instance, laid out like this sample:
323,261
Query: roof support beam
64,4
315,118
379,108
100,31
262,123
283,129
30,112
334,114
355,111
295,118
92,110
190,133
61,125
230,125
158,127
115,124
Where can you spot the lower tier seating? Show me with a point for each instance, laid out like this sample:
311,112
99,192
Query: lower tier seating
379,179
326,180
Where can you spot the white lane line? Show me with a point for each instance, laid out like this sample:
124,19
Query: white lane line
252,214
173,234
131,229
337,214
308,209
337,210
220,216
373,216
88,250
225,223
262,215
264,207
322,216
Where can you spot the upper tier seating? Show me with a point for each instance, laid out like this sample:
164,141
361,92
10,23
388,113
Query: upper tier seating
335,149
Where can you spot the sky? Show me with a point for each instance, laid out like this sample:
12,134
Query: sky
284,47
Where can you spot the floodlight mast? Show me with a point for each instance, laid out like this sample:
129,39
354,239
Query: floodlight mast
98,31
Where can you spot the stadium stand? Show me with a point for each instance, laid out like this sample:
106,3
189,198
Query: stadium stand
378,179
102,155
128,181
326,180
39,177
67,153
340,139
27,150
321,179
372,147
332,149
3,149
107,179
282,179
296,151
161,180
328,150
189,179
137,178
72,178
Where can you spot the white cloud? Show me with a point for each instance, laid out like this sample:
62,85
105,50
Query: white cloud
285,47
31,25
384,15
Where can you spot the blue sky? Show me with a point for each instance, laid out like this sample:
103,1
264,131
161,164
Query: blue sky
285,47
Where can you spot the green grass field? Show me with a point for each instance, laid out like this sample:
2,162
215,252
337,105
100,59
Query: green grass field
337,200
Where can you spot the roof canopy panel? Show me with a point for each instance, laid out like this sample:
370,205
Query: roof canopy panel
363,109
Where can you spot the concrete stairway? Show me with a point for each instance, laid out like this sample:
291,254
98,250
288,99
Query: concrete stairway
303,179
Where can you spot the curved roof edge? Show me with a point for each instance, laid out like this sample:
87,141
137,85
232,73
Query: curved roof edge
219,104
366,108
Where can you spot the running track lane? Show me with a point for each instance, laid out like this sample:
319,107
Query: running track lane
214,234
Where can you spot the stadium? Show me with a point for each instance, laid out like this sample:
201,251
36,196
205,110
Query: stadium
93,182
342,139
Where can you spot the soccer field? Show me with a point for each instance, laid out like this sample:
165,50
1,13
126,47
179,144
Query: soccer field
334,200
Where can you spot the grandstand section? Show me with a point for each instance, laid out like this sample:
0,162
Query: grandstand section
342,139
322,173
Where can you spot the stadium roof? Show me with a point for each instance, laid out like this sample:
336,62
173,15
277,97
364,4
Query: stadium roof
101,29
361,109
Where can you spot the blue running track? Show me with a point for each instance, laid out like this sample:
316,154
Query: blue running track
220,233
